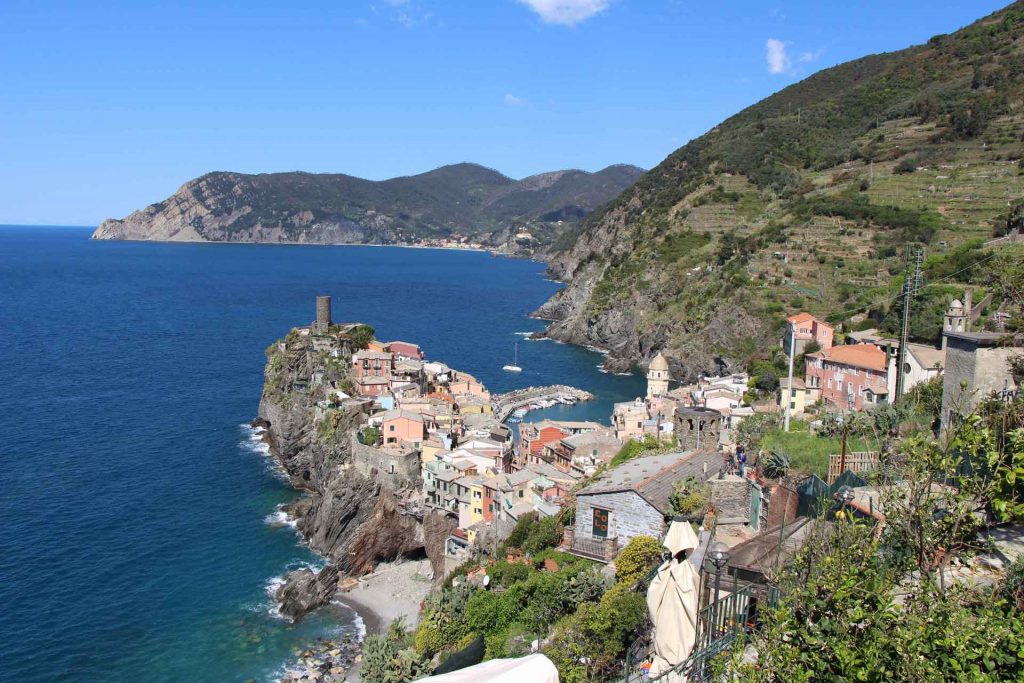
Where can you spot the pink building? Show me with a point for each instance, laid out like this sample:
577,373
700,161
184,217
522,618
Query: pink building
368,385
808,329
403,427
404,349
370,363
849,377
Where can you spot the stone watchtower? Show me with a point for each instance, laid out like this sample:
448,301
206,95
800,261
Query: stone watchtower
658,377
323,314
698,428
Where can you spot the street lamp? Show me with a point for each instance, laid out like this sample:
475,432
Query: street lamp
718,553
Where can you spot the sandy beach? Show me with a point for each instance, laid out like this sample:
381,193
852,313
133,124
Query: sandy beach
394,590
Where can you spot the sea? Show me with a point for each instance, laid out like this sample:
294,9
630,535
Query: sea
141,540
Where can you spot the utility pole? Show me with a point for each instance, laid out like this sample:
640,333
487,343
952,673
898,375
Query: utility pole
789,388
911,285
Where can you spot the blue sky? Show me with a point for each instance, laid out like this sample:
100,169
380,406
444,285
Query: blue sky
106,107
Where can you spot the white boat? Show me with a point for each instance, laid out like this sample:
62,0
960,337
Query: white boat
514,365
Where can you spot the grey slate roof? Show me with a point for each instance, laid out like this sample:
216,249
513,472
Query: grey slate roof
653,476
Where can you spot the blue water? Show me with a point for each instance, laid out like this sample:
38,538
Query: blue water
135,544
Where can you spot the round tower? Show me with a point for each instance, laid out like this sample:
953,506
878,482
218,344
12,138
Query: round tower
323,314
658,377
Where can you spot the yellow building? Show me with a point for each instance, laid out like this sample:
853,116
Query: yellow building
797,396
476,500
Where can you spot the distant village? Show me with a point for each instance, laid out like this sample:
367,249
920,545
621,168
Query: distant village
440,438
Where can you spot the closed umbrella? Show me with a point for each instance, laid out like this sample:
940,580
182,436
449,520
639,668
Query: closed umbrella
672,602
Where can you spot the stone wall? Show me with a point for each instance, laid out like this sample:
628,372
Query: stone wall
698,428
730,497
630,516
391,470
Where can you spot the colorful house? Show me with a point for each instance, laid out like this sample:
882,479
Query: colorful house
629,418
805,328
795,396
534,436
404,349
403,426
849,377
369,363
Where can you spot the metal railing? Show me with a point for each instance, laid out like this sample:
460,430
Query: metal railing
718,625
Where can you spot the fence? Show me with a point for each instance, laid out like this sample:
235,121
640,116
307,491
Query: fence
864,461
718,625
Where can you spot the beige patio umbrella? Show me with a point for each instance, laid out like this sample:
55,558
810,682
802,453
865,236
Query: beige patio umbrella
672,601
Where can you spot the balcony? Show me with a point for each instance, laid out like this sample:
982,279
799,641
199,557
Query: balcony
600,549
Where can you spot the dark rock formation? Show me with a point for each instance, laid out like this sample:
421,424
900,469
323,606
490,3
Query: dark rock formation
304,590
348,515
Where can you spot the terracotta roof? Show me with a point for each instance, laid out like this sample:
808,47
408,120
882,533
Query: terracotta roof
800,318
855,355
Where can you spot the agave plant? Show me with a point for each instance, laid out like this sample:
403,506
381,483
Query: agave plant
776,465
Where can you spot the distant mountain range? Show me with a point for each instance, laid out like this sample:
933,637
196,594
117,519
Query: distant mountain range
462,201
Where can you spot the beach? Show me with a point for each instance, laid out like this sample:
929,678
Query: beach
395,590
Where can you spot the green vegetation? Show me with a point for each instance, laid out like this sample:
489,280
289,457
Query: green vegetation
361,337
870,603
371,435
390,658
634,449
807,199
467,199
690,498
807,452
637,559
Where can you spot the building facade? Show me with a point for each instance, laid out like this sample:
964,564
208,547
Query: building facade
850,377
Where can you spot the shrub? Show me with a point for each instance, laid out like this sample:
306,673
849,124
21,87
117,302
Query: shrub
908,165
387,657
521,531
689,497
507,573
547,533
637,558
1012,586
488,612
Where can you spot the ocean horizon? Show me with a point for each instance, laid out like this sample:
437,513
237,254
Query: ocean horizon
144,539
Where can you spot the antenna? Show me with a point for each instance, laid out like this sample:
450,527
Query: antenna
911,286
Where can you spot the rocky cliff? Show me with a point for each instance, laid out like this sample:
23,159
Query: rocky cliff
350,517
463,202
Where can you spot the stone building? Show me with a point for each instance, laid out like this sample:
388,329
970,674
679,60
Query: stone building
323,315
632,500
976,365
698,428
658,377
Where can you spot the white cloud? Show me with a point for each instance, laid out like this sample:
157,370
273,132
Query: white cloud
810,56
566,12
513,101
780,61
775,54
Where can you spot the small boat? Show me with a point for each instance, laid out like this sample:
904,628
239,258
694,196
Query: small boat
514,365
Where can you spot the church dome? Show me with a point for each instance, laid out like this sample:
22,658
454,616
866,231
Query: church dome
956,304
659,363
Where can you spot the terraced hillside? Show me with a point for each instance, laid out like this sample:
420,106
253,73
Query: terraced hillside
806,200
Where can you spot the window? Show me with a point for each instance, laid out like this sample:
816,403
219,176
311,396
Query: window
520,494
391,428
600,526
792,405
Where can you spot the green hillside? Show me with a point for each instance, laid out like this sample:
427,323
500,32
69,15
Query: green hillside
806,200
